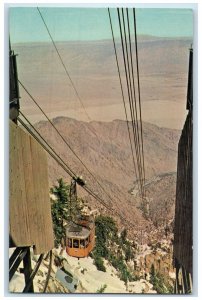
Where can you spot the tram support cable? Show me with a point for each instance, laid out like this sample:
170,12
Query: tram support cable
122,93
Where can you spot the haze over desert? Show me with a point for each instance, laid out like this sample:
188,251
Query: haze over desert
163,67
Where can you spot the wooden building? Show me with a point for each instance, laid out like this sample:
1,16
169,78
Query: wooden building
30,221
183,229
29,202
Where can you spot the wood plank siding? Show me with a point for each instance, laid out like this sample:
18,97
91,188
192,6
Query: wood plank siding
183,230
29,204
183,234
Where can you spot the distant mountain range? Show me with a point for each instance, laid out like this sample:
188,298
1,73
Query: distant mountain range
163,65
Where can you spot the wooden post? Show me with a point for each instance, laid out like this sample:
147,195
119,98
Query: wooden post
28,270
177,283
184,274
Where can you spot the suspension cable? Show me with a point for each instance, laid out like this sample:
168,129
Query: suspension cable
64,140
62,62
65,168
137,64
133,99
128,89
32,126
124,103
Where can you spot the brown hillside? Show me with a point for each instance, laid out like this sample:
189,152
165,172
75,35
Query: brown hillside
104,148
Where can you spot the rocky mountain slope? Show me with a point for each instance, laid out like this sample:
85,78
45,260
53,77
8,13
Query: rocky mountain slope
160,199
91,280
104,148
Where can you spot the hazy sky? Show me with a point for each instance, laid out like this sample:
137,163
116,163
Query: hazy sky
93,23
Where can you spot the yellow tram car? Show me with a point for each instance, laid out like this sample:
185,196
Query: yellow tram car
80,236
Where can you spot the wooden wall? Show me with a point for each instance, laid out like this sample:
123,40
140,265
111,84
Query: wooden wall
183,231
29,204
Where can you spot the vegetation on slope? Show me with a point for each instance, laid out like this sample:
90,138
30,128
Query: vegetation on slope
62,210
113,247
158,282
110,244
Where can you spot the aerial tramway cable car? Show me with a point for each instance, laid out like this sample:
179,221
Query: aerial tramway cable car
80,231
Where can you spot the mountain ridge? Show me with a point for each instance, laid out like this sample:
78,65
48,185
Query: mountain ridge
108,156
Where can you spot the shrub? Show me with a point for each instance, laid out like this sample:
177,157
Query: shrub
123,235
101,289
98,261
157,280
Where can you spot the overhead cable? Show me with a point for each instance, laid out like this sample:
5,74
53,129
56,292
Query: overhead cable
122,93
135,30
64,140
132,94
62,62
66,169
135,100
129,94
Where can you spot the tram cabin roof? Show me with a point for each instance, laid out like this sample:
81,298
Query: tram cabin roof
76,231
